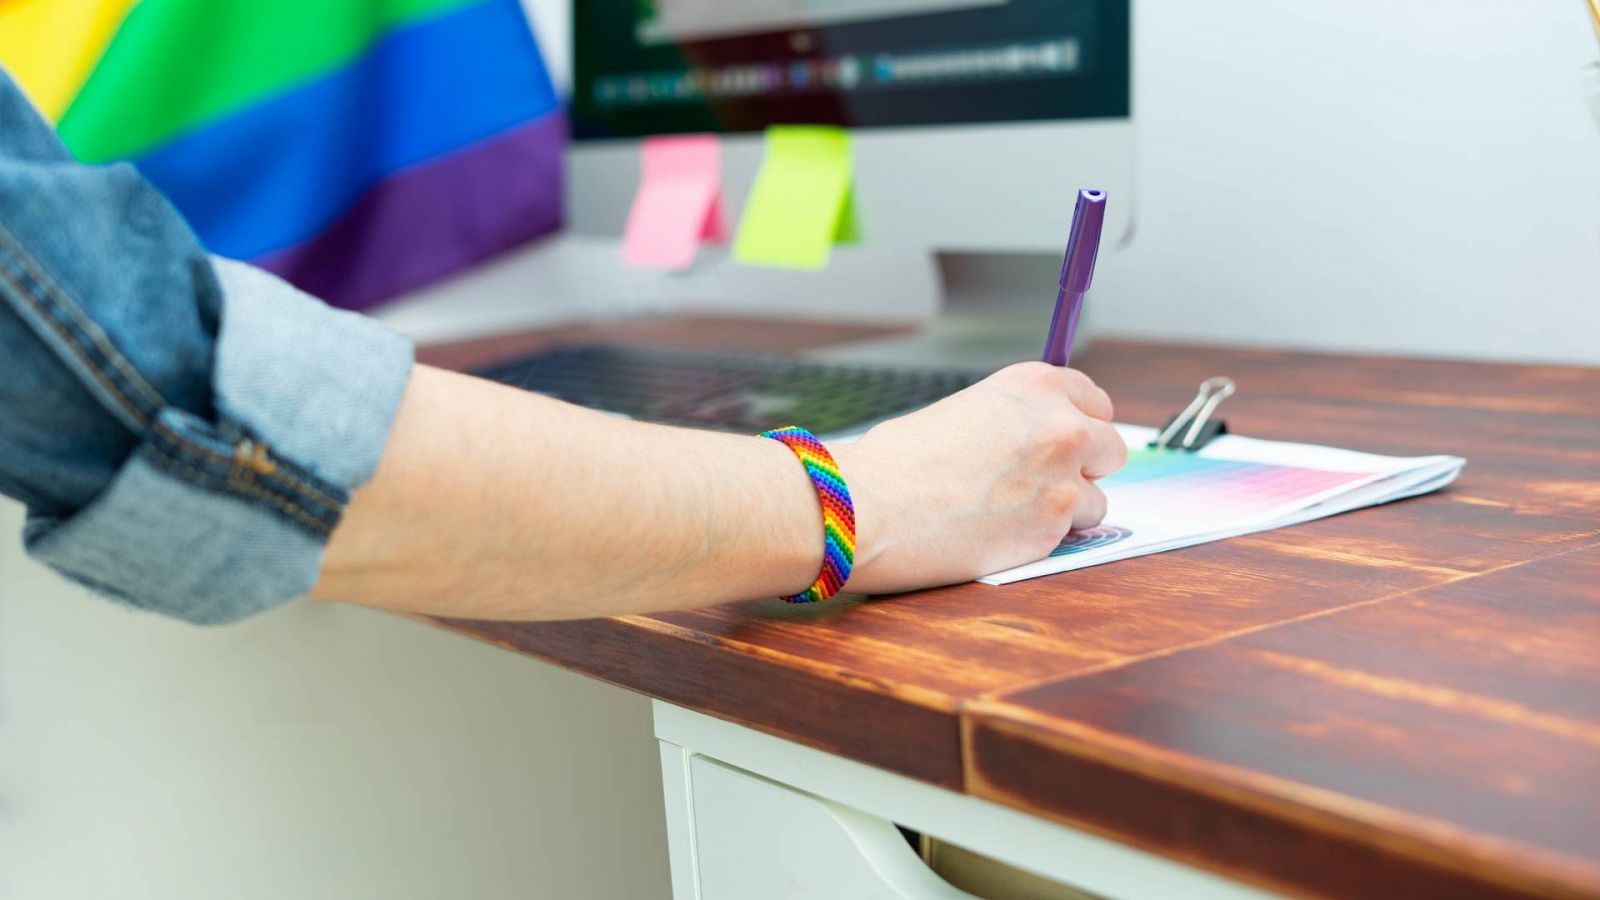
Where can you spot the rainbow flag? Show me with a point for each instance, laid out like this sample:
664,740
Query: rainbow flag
358,148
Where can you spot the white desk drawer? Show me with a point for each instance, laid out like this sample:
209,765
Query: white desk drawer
754,838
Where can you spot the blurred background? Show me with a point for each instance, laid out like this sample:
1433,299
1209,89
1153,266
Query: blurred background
1415,176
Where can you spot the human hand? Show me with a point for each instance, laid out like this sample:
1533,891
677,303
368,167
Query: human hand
986,479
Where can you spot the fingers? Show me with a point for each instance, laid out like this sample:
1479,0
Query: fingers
1054,381
1087,396
1093,401
1104,450
1091,509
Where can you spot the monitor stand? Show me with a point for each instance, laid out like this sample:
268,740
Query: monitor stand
995,310
860,285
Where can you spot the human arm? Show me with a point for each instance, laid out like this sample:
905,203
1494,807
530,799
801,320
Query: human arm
493,503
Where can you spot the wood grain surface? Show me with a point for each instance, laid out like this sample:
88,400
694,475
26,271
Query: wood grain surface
1445,744
1400,701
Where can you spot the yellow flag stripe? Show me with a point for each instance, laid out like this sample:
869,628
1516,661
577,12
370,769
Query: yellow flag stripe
50,46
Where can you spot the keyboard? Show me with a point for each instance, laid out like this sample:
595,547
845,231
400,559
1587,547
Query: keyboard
727,392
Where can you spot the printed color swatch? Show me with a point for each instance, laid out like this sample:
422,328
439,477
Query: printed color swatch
1176,481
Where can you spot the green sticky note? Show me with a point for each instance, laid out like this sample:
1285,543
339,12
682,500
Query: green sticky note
802,202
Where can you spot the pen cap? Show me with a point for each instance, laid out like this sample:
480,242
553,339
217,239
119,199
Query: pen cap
1083,247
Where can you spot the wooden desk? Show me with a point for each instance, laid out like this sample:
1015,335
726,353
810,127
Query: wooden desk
1405,697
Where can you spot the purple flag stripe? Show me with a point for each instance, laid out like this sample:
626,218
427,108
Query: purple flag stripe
431,219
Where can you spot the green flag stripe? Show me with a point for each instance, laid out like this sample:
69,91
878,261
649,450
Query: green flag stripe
176,64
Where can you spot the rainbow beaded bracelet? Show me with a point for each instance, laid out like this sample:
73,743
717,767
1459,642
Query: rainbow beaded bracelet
838,512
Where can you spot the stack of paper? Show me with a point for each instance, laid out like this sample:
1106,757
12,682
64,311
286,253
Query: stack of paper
1166,499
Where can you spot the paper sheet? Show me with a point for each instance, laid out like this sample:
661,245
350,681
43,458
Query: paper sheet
1166,499
679,203
803,200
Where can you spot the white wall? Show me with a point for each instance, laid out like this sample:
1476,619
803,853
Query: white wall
552,22
1415,175
1419,176
316,752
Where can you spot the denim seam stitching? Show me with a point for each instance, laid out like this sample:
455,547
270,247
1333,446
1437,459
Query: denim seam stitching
252,485
289,479
59,328
169,461
88,326
90,329
59,300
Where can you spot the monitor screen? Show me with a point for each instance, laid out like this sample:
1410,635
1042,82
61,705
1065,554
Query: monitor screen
646,67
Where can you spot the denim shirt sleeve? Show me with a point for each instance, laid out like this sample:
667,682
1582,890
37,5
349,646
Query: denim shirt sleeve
185,431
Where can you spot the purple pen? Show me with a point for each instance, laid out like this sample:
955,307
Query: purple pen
1077,270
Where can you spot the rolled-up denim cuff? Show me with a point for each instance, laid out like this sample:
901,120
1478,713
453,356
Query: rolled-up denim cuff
214,521
318,385
157,542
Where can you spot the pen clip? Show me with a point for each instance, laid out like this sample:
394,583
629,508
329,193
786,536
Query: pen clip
1196,421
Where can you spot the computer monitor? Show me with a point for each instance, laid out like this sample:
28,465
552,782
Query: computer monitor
974,122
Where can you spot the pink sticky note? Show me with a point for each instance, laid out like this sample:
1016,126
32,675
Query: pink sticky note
679,204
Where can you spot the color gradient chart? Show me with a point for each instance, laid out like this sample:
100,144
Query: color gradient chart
1169,499
1173,482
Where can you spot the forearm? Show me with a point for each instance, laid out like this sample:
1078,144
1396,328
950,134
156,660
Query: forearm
494,503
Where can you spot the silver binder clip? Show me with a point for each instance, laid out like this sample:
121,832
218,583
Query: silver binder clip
1196,422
